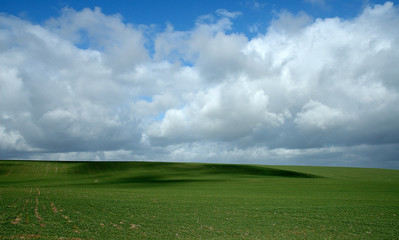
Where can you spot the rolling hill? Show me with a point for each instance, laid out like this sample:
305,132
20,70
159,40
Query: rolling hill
159,200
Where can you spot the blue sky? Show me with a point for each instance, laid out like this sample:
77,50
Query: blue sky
183,14
310,82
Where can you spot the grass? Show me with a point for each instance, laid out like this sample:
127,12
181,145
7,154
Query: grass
147,200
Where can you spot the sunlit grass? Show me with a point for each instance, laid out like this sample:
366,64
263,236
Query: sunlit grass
137,200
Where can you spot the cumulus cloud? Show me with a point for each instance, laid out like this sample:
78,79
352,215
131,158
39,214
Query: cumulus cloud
123,44
290,23
60,97
228,111
86,85
12,140
317,115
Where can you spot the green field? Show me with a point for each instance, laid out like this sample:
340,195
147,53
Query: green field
147,200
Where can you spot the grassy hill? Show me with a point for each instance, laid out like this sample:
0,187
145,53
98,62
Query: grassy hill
148,200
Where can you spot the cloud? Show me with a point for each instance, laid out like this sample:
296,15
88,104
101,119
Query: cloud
228,111
123,44
12,140
319,116
307,91
227,14
60,97
290,23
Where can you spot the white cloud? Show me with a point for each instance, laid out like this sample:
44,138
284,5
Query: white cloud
86,86
228,111
12,140
59,96
122,43
227,14
12,94
319,116
290,23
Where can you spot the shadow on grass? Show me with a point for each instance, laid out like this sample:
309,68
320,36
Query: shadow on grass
158,179
155,173
98,167
254,170
184,168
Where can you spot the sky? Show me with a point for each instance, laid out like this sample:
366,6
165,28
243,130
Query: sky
307,82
